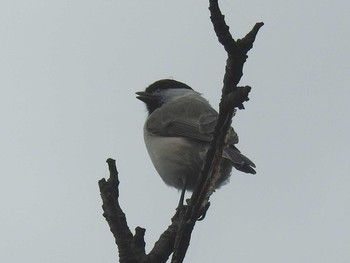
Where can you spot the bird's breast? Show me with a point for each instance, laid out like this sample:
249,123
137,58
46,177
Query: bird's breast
176,158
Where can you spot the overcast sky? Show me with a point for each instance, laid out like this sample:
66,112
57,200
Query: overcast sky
69,70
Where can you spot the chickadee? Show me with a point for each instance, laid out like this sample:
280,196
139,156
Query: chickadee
178,132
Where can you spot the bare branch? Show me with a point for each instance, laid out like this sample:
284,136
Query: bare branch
132,247
112,211
165,245
232,96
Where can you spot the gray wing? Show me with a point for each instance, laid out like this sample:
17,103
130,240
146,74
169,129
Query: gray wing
185,117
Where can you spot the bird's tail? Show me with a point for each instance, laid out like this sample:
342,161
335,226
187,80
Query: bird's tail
238,160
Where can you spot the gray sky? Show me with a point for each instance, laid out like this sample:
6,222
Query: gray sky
69,71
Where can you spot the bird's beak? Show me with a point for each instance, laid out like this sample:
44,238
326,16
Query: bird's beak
146,97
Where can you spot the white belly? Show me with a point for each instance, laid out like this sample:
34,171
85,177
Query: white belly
175,159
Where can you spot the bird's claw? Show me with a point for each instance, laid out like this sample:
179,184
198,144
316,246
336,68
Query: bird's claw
203,212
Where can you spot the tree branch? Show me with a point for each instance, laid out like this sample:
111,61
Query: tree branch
165,244
132,247
232,96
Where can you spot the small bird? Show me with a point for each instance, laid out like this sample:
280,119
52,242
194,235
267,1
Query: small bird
178,132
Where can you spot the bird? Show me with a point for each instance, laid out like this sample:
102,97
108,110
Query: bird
178,132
